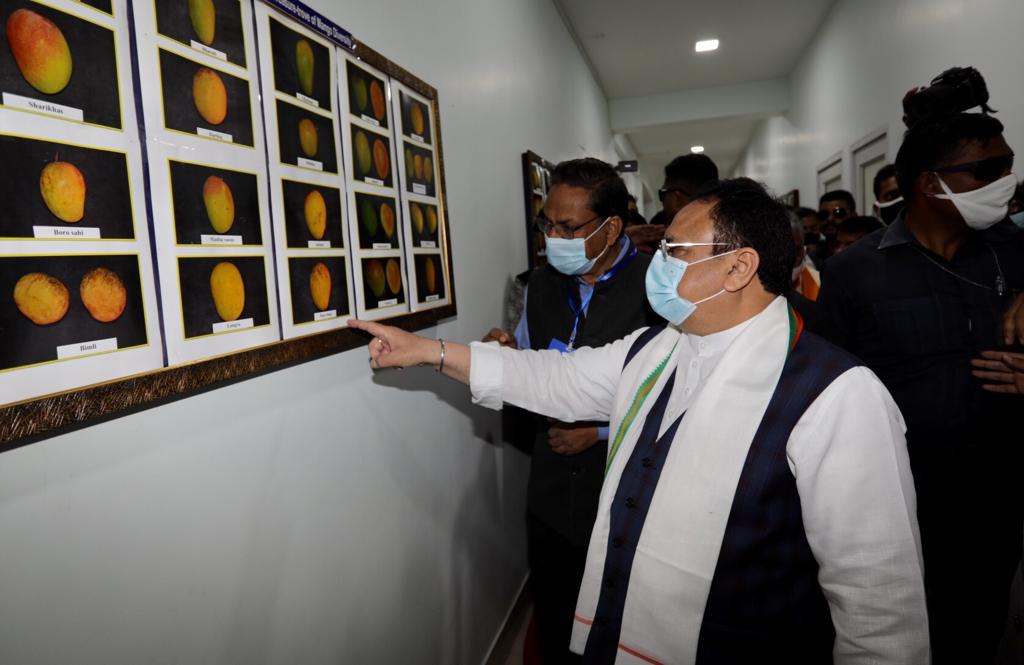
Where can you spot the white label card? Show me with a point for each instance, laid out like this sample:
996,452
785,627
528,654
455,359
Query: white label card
203,48
220,240
417,137
66,232
209,133
428,243
432,298
329,314
382,245
86,348
319,244
374,181
387,303
417,188
310,163
49,108
225,326
372,121
308,100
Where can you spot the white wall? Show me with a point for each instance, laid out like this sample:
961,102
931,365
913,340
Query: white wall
317,514
867,55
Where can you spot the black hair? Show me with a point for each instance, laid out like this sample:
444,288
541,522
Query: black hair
693,170
806,212
884,173
839,195
931,144
608,194
744,214
862,225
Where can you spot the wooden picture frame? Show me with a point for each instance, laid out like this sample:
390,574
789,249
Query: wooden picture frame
536,183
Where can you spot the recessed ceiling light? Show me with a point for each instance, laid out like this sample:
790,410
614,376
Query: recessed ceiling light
706,45
697,149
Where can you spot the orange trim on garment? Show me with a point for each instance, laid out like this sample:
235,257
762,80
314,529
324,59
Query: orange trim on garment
582,620
639,655
808,287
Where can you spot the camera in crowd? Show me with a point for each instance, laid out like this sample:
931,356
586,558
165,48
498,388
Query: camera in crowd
954,90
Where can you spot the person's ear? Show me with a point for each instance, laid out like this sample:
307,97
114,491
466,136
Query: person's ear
613,230
745,264
928,183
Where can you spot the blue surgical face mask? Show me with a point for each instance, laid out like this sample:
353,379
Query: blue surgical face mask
1018,218
662,282
569,255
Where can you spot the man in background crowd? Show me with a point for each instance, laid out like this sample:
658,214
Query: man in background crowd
833,207
888,200
852,229
916,302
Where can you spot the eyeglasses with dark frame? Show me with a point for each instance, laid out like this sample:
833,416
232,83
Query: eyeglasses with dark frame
665,246
561,229
983,170
664,191
838,212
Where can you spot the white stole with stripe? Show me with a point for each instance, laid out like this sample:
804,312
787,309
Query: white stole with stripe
682,535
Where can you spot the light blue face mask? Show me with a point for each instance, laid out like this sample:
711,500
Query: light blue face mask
569,255
1018,218
662,282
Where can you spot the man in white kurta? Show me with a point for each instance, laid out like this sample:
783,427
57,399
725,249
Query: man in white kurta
694,409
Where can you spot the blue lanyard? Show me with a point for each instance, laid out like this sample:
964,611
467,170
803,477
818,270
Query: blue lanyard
585,302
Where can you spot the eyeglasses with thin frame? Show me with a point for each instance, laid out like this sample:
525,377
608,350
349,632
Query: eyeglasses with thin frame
664,191
665,246
983,170
561,229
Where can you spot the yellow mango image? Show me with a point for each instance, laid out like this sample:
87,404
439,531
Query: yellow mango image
320,286
203,15
304,65
416,213
63,188
40,51
103,294
428,169
228,290
44,299
375,277
377,100
431,220
210,96
380,158
387,220
408,163
307,137
416,117
315,211
220,204
417,167
430,276
362,96
364,158
394,273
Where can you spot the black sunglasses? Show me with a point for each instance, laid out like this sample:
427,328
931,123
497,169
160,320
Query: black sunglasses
664,191
837,212
984,170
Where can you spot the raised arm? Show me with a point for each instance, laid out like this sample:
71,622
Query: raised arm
394,347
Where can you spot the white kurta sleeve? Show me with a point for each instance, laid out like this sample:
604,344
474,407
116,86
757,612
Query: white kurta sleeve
849,457
568,386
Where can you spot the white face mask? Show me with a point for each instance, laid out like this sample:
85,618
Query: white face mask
985,206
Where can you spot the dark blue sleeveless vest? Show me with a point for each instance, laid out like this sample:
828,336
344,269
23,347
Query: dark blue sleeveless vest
765,604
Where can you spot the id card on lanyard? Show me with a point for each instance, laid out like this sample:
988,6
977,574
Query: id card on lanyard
581,311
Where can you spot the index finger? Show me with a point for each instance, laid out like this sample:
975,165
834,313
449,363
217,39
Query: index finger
375,329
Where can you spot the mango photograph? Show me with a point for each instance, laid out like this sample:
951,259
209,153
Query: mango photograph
377,220
305,134
46,184
419,169
423,222
367,95
371,157
382,282
52,301
415,118
318,284
214,24
196,97
217,289
429,278
50,56
312,213
302,65
209,200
